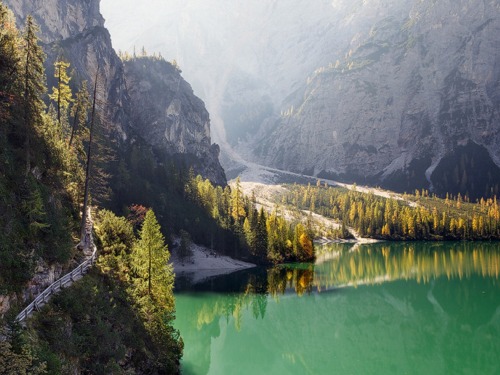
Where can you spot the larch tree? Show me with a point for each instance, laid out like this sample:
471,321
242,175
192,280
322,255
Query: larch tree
9,62
237,203
61,94
150,262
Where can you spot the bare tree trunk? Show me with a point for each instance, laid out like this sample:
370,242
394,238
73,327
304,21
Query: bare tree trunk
83,243
26,109
59,96
75,124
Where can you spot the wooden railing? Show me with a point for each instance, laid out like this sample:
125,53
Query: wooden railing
67,279
53,288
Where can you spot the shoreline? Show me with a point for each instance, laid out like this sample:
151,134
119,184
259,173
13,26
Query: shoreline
205,263
359,240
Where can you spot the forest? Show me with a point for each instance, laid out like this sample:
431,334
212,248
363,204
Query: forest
268,237
420,216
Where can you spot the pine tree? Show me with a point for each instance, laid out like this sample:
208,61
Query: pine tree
260,240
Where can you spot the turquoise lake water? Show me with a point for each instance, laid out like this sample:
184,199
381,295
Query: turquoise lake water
403,308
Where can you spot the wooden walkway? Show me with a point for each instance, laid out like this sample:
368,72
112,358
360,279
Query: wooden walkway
56,286
67,279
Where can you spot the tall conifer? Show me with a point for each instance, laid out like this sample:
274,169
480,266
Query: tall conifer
9,61
151,255
34,85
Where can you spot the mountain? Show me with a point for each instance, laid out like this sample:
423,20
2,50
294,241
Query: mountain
75,31
402,94
413,104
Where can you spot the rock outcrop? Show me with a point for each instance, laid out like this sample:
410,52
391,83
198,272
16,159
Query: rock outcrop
45,275
74,30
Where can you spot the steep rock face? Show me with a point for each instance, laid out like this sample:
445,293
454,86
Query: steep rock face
409,93
169,116
59,19
75,30
45,275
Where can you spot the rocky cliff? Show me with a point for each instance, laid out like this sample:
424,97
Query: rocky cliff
75,31
414,103
169,116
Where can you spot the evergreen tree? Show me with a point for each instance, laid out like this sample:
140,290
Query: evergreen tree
79,114
9,83
9,61
34,85
15,362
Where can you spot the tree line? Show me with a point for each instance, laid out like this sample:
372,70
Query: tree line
52,150
427,218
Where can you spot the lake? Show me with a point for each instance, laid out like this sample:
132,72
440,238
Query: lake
386,308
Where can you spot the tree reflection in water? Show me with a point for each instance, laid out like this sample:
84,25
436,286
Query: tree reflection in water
382,262
346,265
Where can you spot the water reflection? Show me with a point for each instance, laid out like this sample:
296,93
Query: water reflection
434,307
346,265
253,298
340,265
298,279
